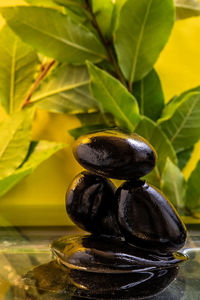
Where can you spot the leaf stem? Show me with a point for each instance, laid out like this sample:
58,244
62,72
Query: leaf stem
39,78
111,56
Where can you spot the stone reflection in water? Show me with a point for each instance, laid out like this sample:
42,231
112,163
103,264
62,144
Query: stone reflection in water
135,285
54,281
103,254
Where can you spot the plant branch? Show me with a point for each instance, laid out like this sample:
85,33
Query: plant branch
44,70
106,44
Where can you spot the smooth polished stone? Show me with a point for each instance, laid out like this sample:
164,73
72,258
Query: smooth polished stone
89,204
108,255
114,154
147,219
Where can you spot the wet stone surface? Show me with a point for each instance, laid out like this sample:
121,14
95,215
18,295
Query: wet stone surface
115,155
147,219
90,204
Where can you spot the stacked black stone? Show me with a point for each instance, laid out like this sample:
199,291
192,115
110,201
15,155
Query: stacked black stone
136,212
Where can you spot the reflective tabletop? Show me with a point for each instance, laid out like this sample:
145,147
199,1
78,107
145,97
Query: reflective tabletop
29,271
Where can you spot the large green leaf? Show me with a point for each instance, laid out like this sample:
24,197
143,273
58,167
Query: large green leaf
15,133
114,98
187,8
173,184
174,103
143,30
193,190
17,69
54,34
66,90
154,135
42,151
184,156
148,92
183,128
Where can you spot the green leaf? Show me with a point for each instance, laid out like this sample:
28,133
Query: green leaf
15,135
184,156
66,90
143,29
173,184
105,15
183,128
88,129
104,12
170,108
116,12
96,118
114,98
75,9
42,151
187,8
54,34
174,103
148,92
154,135
17,69
193,190
45,3
93,122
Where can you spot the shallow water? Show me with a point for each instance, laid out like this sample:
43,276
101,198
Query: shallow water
29,272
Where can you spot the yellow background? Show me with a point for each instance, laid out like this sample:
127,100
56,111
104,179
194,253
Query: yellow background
39,199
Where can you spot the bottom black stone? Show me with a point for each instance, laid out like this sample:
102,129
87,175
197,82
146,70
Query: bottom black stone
109,255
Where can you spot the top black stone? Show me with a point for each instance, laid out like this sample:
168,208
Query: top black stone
115,154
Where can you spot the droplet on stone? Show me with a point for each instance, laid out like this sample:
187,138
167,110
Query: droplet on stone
147,219
90,202
114,154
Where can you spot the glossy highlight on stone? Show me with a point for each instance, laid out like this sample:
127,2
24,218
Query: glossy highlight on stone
147,219
101,254
89,204
134,229
114,154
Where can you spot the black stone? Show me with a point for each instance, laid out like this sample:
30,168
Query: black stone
89,203
115,154
147,219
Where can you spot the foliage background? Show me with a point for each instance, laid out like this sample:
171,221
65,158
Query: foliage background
38,199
